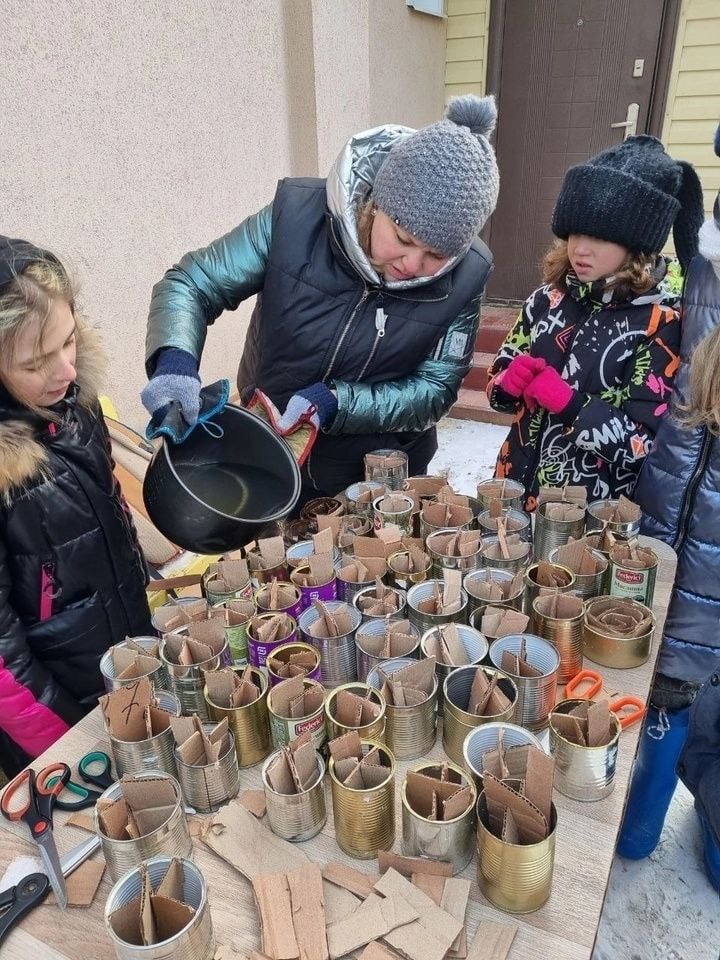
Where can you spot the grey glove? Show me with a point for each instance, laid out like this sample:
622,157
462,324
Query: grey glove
175,380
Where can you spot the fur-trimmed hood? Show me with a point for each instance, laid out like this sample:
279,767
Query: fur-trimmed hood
23,455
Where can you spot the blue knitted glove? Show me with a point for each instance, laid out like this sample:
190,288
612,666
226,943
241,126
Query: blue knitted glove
175,380
316,404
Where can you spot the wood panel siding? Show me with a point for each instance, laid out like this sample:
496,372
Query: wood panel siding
466,53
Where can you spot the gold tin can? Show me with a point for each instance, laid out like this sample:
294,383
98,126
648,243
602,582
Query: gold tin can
533,589
618,652
514,877
283,654
285,729
583,773
565,633
365,818
369,731
250,724
457,720
401,580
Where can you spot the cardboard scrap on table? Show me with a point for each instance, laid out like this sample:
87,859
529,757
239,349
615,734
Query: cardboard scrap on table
492,941
254,801
82,884
407,866
432,934
397,639
589,723
381,603
378,951
131,713
361,884
292,914
231,688
410,685
157,914
451,894
292,699
375,917
82,820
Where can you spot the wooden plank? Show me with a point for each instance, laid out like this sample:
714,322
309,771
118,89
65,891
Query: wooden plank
472,25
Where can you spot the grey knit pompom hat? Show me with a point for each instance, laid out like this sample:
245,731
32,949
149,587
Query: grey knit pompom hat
441,183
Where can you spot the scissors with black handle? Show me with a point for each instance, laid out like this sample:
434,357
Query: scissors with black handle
96,768
21,899
35,810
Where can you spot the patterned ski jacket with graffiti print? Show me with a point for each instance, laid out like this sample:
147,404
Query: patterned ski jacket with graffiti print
621,357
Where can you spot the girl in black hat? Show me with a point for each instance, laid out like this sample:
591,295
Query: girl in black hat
588,367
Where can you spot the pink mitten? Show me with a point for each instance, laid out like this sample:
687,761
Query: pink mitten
520,373
550,391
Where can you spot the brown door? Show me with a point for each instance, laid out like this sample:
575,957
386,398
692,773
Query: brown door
564,72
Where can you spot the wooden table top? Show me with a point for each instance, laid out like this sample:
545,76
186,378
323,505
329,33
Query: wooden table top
563,929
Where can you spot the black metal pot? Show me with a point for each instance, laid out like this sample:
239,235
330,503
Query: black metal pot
214,493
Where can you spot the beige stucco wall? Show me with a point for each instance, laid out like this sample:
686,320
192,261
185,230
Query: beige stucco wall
133,132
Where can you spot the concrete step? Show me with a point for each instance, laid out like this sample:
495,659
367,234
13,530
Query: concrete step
477,378
495,323
474,405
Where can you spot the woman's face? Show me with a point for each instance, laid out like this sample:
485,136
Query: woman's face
397,255
593,259
41,377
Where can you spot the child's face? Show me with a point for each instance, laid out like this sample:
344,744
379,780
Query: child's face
41,375
593,259
397,255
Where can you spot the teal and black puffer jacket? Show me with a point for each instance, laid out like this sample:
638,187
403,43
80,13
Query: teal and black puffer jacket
396,353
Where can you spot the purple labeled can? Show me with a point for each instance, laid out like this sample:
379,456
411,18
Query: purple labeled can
324,591
289,600
259,650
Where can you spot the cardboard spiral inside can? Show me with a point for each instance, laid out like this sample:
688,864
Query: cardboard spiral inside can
606,647
365,818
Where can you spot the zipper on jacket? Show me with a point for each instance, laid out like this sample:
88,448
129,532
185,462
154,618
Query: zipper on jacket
380,321
346,329
690,491
47,591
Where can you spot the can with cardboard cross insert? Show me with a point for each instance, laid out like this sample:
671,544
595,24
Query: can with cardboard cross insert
296,706
355,574
583,772
235,616
227,580
127,661
137,721
267,561
316,580
331,629
363,795
295,800
207,765
386,466
358,707
407,567
240,694
378,640
491,585
394,509
279,597
557,522
438,814
510,493
461,716
533,664
292,660
632,572
266,632
411,717
189,654
452,645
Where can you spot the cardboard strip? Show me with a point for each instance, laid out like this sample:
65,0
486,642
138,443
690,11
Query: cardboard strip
356,882
375,917
308,911
432,934
272,895
407,866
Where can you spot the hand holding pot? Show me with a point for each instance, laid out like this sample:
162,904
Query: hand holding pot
316,404
174,381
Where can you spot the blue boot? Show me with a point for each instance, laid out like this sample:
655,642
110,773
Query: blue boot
654,781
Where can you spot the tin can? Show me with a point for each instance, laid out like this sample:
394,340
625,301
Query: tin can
475,578
474,644
587,584
424,621
363,508
426,527
215,596
171,838
346,590
365,818
208,786
353,526
259,651
403,580
157,677
391,476
299,816
514,877
583,773
481,740
283,655
533,589
564,633
490,555
625,581
516,521
457,719
280,571
402,518
337,654
398,614
612,651
323,591
598,516
365,661
476,618
250,724
156,753
292,609
196,940
159,618
409,731
186,680
322,507
550,533
237,615
285,729
375,730
536,695
448,840
511,493
441,562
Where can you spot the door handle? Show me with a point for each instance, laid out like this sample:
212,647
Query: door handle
630,122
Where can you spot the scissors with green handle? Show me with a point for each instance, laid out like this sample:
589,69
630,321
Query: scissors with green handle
77,797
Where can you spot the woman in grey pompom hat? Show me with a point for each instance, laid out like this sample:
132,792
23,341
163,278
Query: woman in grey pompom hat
369,284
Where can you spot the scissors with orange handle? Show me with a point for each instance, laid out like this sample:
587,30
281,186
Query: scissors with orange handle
35,808
619,707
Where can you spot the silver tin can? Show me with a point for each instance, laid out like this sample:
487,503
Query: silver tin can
402,519
485,738
337,654
186,682
489,555
208,786
587,585
196,941
447,840
299,816
409,731
171,838
583,773
457,719
474,644
476,617
392,476
157,677
155,753
516,521
536,695
346,590
399,614
511,493
550,533
441,562
598,514
424,621
299,553
363,509
474,578
285,729
365,661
